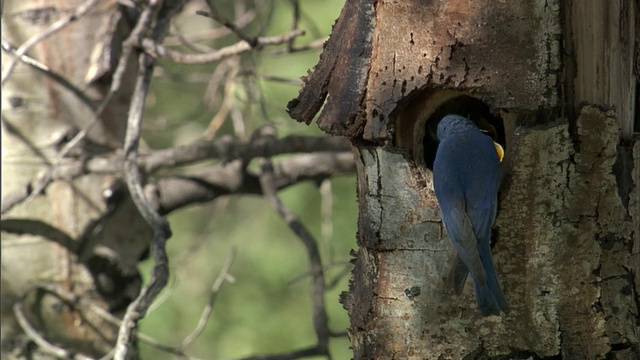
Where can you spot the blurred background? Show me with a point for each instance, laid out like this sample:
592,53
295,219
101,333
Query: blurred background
265,304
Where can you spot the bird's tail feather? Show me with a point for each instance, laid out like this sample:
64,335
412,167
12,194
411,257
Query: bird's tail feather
490,298
458,275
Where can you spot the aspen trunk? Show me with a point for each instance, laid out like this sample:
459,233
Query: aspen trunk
75,238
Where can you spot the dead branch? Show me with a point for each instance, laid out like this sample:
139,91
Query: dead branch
320,319
241,21
83,305
233,178
215,15
295,20
225,148
43,344
159,51
215,288
125,347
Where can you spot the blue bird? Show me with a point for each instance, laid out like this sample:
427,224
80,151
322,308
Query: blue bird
466,177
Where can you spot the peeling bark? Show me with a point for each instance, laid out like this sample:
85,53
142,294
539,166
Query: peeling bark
341,73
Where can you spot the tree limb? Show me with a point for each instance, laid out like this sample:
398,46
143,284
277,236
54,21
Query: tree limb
42,343
225,148
320,319
125,348
233,178
157,50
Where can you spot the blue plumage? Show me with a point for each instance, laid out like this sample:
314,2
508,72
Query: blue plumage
466,176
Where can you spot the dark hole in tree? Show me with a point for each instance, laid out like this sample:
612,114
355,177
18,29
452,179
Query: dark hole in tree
466,106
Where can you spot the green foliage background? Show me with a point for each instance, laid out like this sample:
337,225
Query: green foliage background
264,311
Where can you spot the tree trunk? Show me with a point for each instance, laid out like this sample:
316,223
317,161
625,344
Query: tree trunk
83,236
552,81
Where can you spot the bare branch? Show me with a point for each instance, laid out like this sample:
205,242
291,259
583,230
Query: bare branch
183,40
215,15
37,187
206,312
42,343
227,102
241,21
326,216
233,178
314,45
161,230
320,319
157,50
295,4
226,148
83,305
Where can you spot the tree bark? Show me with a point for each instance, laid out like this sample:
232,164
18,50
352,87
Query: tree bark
558,93
82,236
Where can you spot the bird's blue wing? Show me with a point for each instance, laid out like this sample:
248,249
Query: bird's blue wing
464,239
481,195
481,199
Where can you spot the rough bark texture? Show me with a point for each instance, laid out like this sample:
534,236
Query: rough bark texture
571,266
567,234
341,73
39,116
604,36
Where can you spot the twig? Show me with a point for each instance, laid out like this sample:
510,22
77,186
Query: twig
326,215
295,4
215,15
320,320
242,21
74,300
54,28
161,231
42,343
314,45
212,95
227,101
206,312
183,40
157,50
